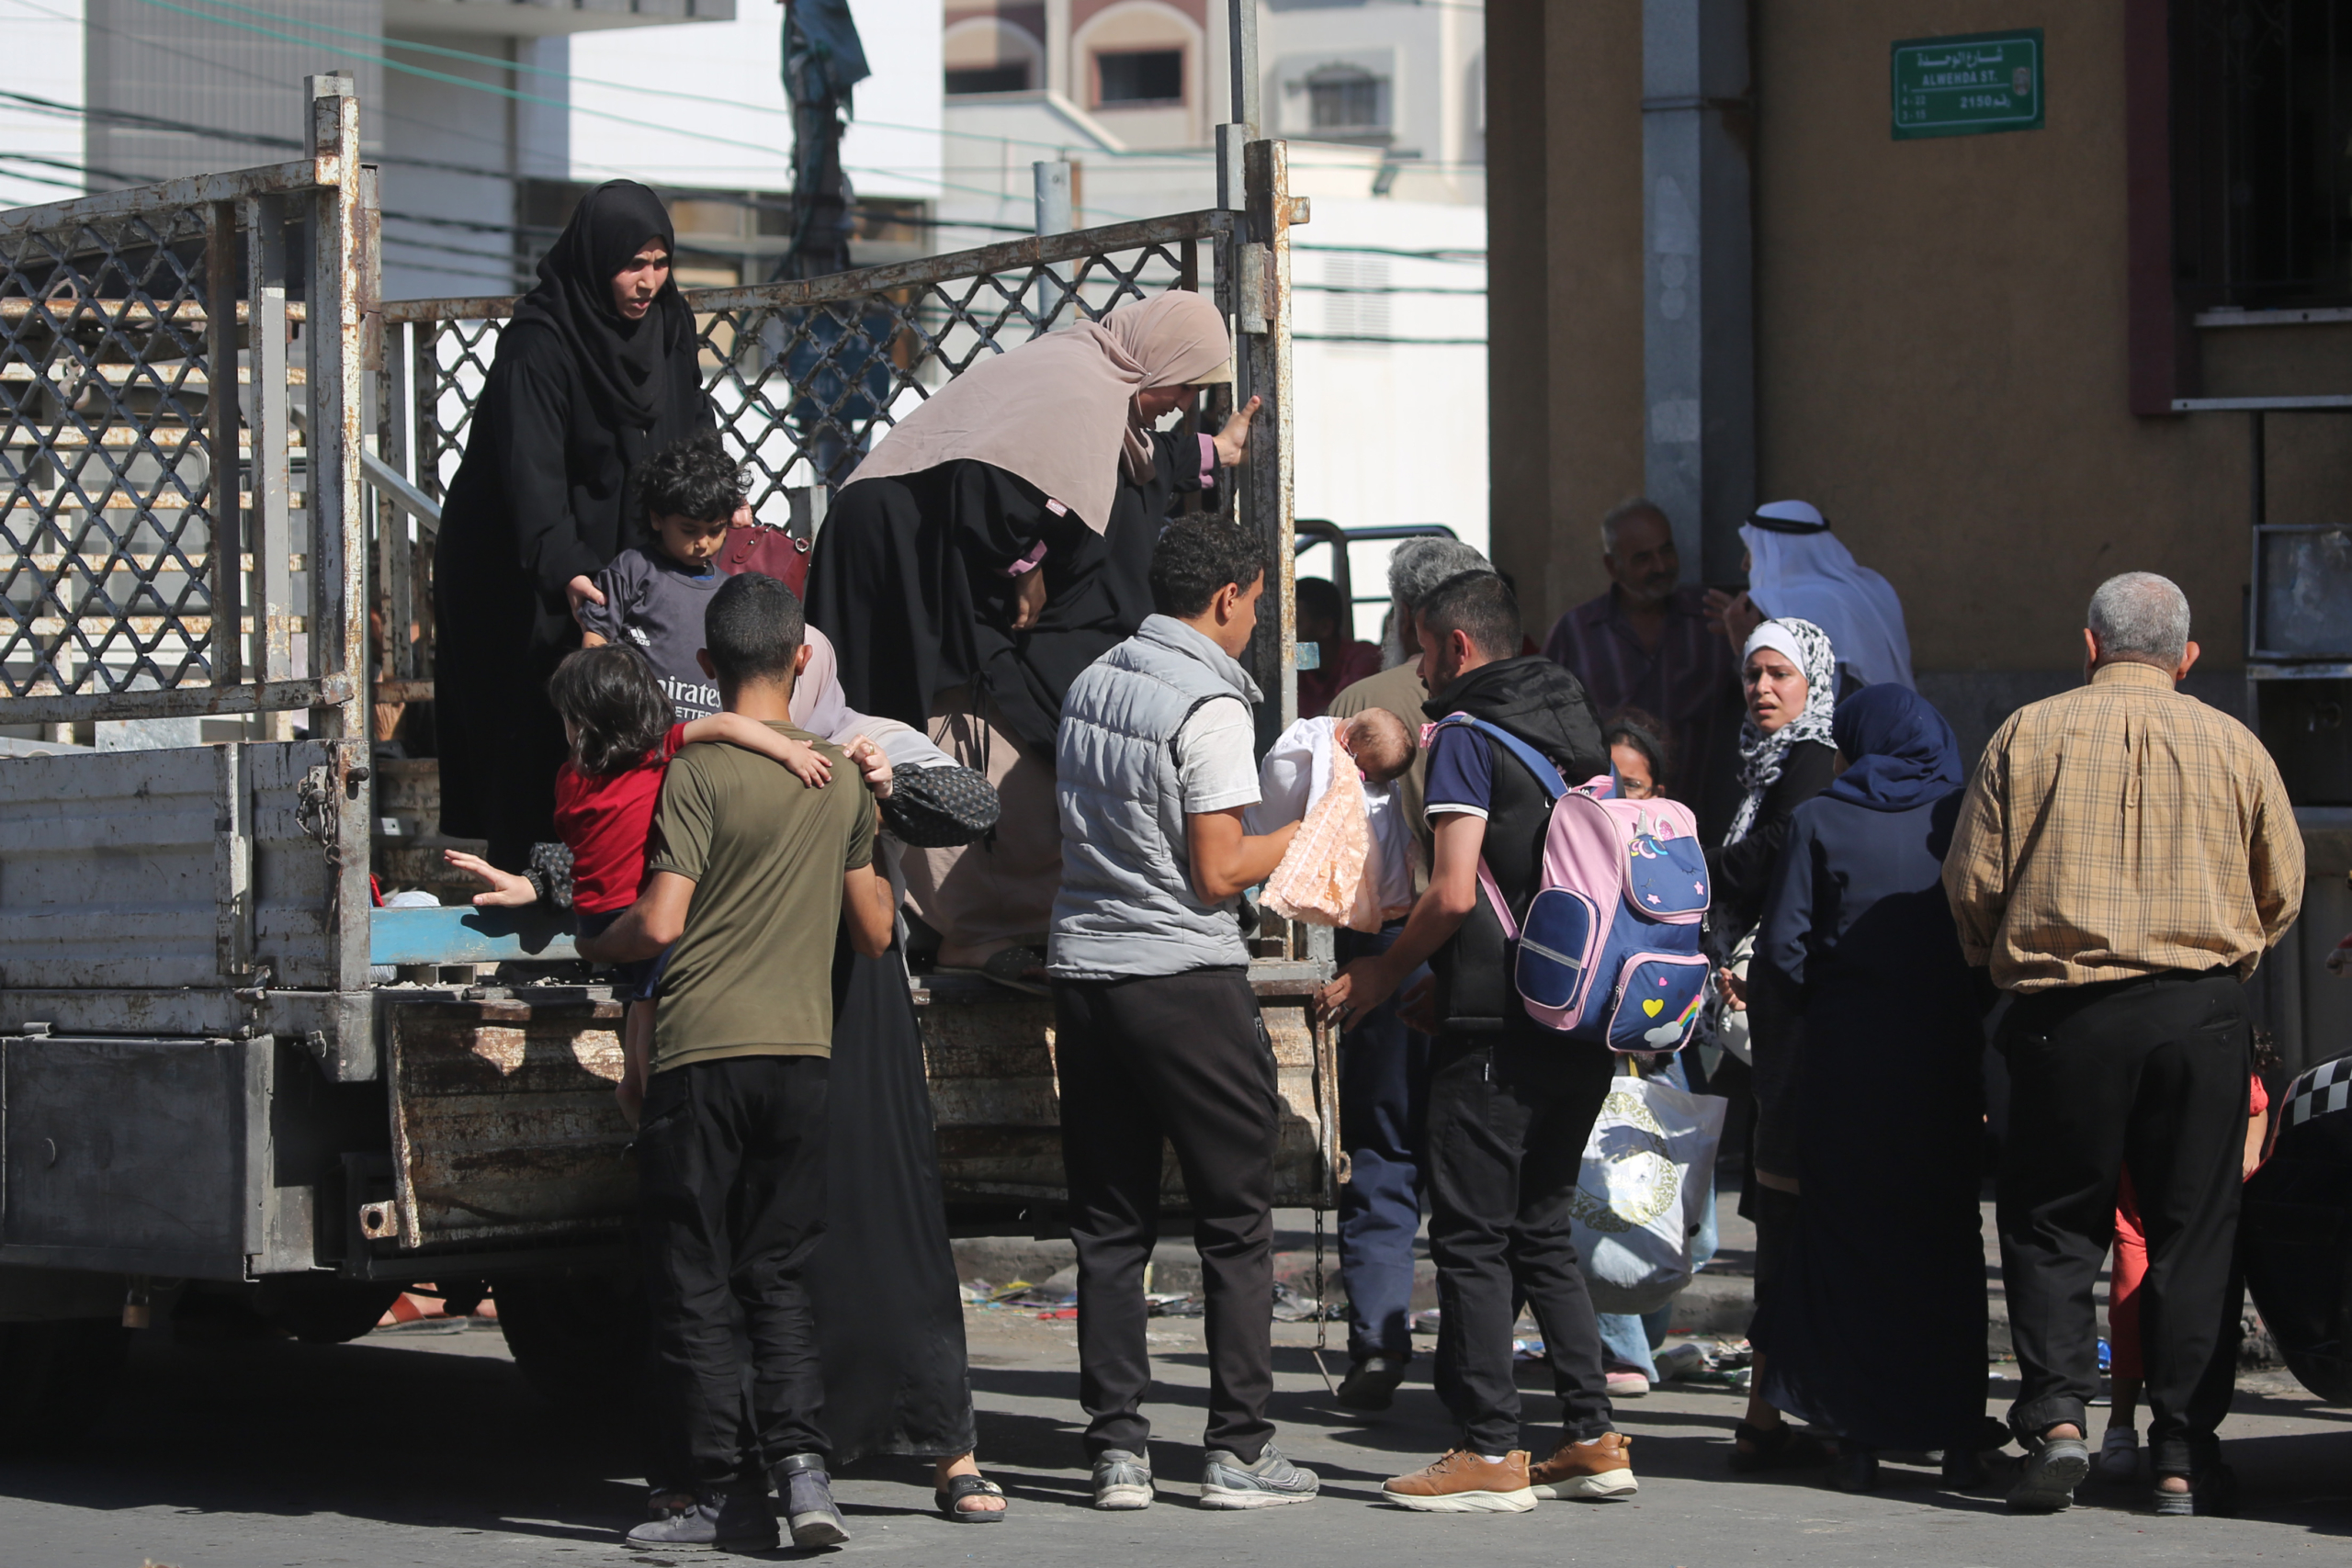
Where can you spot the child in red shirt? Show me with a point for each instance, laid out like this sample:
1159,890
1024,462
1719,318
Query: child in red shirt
617,720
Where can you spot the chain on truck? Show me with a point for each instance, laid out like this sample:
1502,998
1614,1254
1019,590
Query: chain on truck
223,1072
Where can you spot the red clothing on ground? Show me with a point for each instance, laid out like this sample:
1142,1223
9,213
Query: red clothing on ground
2132,1265
604,823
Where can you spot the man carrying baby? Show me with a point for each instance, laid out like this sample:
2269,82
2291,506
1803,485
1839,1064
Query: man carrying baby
1157,1031
753,875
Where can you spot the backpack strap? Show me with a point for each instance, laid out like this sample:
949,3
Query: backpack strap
1546,772
1547,777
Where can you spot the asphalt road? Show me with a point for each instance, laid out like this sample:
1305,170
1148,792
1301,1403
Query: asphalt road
422,1446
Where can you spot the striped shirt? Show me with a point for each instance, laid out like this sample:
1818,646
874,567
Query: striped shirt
2120,830
1689,680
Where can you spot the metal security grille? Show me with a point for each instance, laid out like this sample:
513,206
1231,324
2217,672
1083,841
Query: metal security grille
2261,151
807,374
173,480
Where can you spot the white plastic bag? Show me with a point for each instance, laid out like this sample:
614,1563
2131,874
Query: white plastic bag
1642,1195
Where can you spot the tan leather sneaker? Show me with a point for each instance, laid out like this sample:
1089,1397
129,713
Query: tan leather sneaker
1461,1483
1599,1472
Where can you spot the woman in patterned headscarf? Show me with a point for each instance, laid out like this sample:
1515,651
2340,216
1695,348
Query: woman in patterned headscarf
1787,673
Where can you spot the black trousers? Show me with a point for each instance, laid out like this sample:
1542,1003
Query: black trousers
1184,1058
1508,1126
731,1163
2153,1074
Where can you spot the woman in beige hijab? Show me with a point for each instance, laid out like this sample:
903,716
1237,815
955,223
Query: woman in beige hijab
993,545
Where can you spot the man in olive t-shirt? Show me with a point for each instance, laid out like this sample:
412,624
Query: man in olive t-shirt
755,875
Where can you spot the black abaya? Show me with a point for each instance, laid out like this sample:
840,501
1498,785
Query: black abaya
889,1319
909,582
576,400
1889,1129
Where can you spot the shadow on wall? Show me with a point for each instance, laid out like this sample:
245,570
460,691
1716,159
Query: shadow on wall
1978,701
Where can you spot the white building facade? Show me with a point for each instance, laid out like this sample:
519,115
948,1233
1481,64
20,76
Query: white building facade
1382,104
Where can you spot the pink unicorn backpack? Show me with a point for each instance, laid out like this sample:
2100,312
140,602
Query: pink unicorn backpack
1609,951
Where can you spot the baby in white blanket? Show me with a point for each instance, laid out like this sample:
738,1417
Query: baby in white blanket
1298,769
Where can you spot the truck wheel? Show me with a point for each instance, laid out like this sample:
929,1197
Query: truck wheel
321,1310
56,1378
579,1339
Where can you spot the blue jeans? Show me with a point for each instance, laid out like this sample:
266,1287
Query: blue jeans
1628,1339
1384,1113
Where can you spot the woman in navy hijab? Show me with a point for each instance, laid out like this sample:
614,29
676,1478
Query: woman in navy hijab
1858,939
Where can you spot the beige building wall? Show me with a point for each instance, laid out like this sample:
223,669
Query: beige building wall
1941,339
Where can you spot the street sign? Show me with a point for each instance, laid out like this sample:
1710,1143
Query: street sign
1968,85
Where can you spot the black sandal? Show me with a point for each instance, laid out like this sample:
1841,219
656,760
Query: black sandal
1782,1446
961,1486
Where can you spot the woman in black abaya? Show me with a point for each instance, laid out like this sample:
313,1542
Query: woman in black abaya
889,1315
1858,936
993,545
596,373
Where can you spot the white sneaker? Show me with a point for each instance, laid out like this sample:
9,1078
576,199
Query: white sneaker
2118,1456
1122,1480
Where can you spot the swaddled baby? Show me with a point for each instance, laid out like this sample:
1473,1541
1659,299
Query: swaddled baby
1298,772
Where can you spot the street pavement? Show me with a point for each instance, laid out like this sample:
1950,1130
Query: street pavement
423,1445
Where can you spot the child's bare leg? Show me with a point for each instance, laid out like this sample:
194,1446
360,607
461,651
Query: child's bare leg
2123,1408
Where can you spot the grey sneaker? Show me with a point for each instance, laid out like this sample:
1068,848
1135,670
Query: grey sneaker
1122,1480
1227,1483
714,1523
808,1497
2054,1468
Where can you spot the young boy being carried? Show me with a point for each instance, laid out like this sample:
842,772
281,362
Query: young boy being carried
752,876
653,596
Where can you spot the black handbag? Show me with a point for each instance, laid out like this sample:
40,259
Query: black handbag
937,809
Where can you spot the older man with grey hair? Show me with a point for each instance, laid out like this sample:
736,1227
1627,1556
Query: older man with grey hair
2123,857
1383,1066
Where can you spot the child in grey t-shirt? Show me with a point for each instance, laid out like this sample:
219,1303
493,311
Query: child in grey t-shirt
654,598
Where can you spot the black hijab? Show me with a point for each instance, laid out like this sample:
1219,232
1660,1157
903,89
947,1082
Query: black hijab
619,360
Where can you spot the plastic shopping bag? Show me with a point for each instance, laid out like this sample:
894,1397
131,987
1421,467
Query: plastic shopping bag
1322,873
1643,1193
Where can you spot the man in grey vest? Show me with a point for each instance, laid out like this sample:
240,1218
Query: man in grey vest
1157,1032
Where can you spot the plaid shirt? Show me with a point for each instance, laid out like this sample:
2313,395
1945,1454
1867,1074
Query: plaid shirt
1689,681
2119,829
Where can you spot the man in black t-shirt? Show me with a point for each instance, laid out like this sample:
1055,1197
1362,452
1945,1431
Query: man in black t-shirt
1512,1104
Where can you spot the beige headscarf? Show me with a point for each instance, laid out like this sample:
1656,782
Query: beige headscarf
1060,410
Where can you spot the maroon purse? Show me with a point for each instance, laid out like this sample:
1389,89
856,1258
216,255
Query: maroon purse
778,552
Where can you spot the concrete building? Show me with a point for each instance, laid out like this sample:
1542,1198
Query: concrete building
1966,348
487,117
1381,102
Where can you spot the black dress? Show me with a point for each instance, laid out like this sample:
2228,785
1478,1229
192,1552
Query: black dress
576,400
1857,937
909,582
889,1319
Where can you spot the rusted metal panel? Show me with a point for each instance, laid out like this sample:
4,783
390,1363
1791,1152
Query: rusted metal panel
503,1123
998,1113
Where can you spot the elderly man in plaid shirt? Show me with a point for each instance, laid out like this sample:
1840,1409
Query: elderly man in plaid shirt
2124,856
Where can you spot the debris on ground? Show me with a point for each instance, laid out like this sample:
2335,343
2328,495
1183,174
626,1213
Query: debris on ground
1294,1306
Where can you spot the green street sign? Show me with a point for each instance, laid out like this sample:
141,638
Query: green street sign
1968,85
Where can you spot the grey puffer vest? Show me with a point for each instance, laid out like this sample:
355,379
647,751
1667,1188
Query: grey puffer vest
1127,906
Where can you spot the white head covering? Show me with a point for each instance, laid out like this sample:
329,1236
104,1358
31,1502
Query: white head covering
1800,570
1761,756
